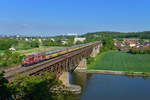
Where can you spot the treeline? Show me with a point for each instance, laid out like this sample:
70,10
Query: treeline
95,36
10,58
139,51
23,44
33,42
8,42
107,45
58,41
35,87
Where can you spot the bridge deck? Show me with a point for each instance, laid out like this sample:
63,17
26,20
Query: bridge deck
33,69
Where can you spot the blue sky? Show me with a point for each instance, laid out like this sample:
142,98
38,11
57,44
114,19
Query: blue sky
55,17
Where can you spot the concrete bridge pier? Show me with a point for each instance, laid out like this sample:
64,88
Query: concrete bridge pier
82,64
98,49
95,51
65,78
76,89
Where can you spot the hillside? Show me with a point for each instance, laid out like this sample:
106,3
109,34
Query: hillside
94,36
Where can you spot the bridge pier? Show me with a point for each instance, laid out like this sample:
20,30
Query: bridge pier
82,64
76,89
95,51
65,78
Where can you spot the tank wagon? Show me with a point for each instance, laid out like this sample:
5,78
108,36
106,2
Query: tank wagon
36,58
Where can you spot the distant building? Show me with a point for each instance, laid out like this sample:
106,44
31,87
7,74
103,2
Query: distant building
17,36
116,42
132,43
40,40
64,42
72,34
44,39
26,39
52,39
81,39
12,48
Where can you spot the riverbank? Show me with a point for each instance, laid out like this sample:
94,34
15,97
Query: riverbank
110,72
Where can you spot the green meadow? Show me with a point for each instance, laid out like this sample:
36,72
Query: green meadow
121,61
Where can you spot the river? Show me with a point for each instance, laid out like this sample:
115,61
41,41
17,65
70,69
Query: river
111,87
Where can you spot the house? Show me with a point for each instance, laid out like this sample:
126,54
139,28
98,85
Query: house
40,40
52,39
132,44
81,39
26,39
12,48
72,34
64,42
116,42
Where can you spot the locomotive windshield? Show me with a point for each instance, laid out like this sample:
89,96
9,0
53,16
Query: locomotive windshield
25,59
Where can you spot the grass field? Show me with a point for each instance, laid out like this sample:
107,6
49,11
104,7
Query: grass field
38,50
122,61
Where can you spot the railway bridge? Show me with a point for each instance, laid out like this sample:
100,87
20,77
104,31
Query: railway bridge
61,65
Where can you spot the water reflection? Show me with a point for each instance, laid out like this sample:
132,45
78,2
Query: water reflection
112,87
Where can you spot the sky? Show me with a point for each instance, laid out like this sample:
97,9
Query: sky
57,17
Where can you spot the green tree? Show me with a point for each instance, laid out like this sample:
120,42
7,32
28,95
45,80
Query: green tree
7,57
35,87
16,58
90,60
23,45
5,93
6,43
48,43
79,42
1,60
34,44
107,45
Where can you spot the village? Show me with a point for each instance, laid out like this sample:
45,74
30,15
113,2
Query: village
126,44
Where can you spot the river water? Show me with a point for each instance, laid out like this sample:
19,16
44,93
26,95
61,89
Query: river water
111,87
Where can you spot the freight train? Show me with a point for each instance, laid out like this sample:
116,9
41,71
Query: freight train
36,58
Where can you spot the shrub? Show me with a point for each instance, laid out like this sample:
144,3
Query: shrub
34,44
90,60
139,51
10,58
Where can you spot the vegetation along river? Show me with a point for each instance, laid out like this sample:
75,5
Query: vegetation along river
111,87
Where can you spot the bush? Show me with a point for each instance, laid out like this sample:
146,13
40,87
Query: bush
5,92
23,45
34,44
139,51
107,45
6,43
35,87
90,60
10,58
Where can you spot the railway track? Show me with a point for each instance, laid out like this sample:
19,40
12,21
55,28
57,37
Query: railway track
20,70
10,74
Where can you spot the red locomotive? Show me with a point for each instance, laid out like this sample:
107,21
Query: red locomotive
32,59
